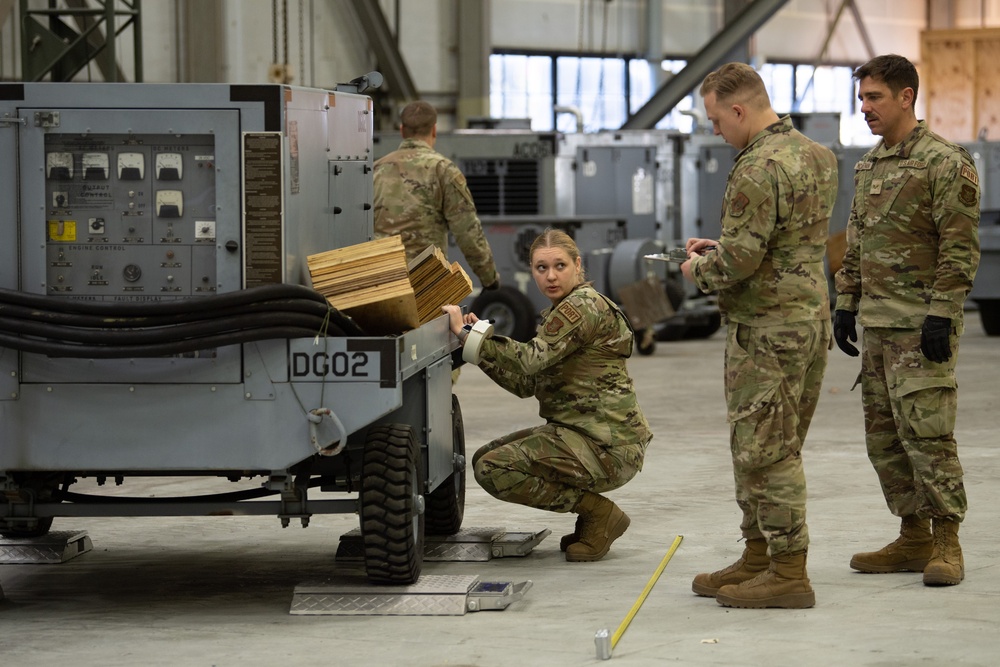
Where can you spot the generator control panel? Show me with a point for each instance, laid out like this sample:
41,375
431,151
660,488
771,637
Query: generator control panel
130,217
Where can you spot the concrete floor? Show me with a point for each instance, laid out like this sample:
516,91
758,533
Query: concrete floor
217,590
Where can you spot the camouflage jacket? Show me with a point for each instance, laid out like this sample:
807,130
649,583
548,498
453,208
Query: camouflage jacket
575,367
421,195
912,238
768,267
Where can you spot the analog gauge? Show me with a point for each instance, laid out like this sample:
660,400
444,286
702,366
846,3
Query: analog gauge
169,203
169,167
59,166
131,166
95,166
132,273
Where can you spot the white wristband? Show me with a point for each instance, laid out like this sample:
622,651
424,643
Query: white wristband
481,330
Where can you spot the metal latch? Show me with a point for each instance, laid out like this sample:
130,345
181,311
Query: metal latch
11,120
46,119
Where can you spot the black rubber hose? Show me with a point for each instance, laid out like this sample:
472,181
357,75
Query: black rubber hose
54,349
118,315
151,336
107,322
173,306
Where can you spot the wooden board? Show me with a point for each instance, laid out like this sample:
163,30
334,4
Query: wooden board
435,283
370,282
960,82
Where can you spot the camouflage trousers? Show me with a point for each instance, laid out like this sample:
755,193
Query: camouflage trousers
910,405
774,375
551,466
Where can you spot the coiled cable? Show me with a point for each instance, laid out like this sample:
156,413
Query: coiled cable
106,330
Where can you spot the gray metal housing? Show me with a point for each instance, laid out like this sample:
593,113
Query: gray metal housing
135,192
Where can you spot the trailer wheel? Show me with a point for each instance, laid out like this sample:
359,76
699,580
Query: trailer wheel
645,342
446,504
392,518
989,314
705,330
512,313
42,487
43,527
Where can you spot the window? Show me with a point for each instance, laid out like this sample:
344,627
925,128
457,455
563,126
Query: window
644,86
809,89
595,86
526,85
606,90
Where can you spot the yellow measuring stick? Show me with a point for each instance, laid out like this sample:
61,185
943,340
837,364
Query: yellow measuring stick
638,603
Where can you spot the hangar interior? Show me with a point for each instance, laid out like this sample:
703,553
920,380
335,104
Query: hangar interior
179,404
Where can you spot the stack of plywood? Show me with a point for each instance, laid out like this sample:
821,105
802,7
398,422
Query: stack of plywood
369,282
372,283
436,283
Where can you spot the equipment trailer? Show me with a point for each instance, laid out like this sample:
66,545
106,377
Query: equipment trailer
156,317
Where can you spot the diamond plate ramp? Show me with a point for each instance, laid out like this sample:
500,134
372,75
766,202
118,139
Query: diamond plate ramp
55,547
467,545
431,595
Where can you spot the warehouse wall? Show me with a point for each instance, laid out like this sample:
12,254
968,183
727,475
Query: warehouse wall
326,45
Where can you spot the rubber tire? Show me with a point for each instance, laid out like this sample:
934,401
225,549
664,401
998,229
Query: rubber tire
640,338
43,487
444,507
674,288
705,330
392,526
512,313
675,329
43,527
989,315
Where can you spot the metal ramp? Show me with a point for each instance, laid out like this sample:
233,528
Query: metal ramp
467,545
431,595
55,547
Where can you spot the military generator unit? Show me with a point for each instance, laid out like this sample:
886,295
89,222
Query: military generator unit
156,317
618,194
628,193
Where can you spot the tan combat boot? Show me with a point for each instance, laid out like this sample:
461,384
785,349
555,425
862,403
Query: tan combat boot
783,584
567,540
602,523
753,561
909,553
946,566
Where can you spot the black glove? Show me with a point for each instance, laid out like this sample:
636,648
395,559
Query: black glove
843,330
495,285
934,338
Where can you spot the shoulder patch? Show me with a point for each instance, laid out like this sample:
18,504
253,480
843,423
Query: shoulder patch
967,195
738,204
569,311
970,174
553,326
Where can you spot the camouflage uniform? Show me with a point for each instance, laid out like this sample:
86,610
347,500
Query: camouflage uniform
595,434
768,269
421,195
912,251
